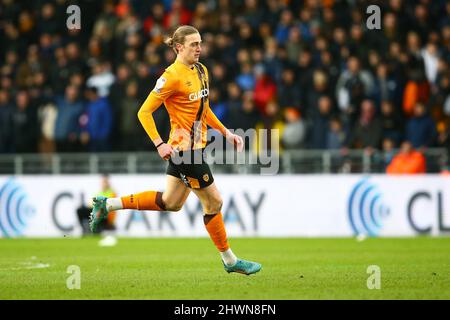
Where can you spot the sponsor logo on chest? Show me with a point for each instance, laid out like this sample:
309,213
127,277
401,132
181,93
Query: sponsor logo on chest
198,95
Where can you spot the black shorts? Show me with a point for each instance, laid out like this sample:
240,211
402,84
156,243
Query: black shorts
191,167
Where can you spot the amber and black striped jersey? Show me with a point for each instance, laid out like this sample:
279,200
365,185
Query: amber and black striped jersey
184,91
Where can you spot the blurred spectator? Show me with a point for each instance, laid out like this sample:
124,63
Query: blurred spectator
305,24
273,124
144,78
98,123
421,129
391,122
252,13
25,131
288,92
430,57
367,131
178,15
11,64
102,79
294,131
154,23
48,22
246,78
47,114
337,135
318,89
218,78
265,89
417,88
320,123
284,26
26,70
388,152
242,111
27,26
6,123
358,42
407,161
421,21
247,37
386,87
391,30
12,40
443,139
294,45
330,68
234,105
123,8
304,72
106,23
116,96
441,91
67,129
352,87
59,72
272,15
217,105
74,59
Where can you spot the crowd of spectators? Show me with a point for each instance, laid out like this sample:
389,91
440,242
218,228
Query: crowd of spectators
311,68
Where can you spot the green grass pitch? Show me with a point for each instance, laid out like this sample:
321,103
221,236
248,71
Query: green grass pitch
293,268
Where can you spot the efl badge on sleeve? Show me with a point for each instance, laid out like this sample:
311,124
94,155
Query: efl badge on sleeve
159,84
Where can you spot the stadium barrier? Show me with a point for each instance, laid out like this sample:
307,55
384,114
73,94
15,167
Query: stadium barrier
289,161
266,206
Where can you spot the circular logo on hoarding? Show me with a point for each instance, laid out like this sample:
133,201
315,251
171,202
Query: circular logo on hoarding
366,209
15,209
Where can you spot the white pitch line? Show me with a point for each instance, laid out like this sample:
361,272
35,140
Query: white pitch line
28,265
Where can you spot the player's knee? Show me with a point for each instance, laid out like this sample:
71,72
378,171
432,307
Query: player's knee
171,203
177,208
173,207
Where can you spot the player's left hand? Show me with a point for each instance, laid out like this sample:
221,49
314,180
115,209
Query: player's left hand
166,151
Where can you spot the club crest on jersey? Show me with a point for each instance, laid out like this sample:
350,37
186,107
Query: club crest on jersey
198,95
159,84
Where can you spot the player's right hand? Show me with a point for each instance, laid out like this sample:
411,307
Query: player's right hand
166,151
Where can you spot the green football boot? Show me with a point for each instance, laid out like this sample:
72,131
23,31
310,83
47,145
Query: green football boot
244,267
99,212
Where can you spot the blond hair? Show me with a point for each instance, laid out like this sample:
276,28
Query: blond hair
179,36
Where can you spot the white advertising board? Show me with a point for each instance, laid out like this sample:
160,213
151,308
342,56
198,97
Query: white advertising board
275,206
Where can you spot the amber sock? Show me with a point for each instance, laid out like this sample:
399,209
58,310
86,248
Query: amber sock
148,200
216,229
